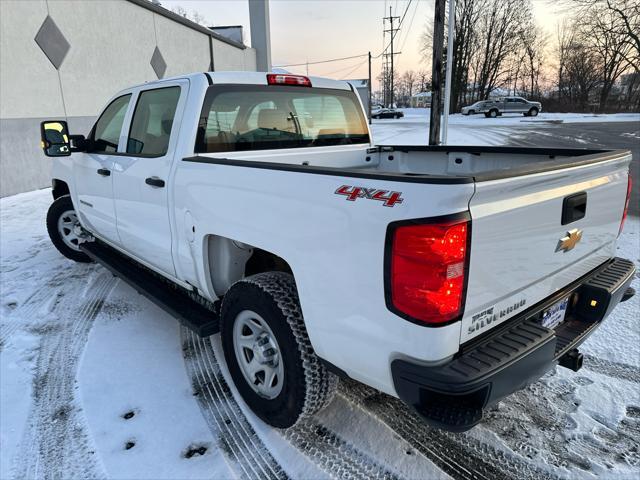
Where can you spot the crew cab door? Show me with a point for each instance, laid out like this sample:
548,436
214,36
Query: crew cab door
510,105
93,170
141,175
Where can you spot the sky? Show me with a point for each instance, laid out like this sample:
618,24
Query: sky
310,30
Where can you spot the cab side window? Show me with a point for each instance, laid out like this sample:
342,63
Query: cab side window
152,122
106,132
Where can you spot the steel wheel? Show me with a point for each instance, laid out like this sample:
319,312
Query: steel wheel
70,230
258,354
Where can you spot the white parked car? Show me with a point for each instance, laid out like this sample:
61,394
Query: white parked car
257,206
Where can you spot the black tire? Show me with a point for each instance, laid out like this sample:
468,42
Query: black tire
308,387
471,112
486,114
493,113
533,112
58,208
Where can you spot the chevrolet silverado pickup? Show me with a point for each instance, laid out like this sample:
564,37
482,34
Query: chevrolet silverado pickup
257,206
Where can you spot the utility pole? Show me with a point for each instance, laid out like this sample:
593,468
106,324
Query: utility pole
436,73
392,31
447,82
370,96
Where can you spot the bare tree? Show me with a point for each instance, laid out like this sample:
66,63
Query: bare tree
627,25
488,37
534,43
602,30
500,30
194,15
423,81
408,80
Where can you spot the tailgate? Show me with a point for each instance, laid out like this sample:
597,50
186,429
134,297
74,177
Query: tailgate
517,236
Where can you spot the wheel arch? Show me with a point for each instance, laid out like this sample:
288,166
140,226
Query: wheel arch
59,188
227,261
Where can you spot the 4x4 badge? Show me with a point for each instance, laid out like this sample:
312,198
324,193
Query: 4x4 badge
570,241
388,198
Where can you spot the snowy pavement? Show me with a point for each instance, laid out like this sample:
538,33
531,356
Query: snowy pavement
413,128
97,382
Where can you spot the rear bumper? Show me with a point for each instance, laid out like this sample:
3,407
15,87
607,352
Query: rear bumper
452,396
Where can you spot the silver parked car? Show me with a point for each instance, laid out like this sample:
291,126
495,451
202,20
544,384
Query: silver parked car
495,108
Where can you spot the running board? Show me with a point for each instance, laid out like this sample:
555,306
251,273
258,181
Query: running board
172,299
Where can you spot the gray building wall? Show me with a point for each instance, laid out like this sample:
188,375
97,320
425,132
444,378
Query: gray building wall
110,47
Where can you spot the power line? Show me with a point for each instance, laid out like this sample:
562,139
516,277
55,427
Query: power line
398,28
361,55
345,68
415,10
357,67
321,61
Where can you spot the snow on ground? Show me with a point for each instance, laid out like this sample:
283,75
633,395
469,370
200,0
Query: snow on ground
413,128
422,114
95,381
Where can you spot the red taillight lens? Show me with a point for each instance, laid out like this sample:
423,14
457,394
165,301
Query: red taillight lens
626,204
282,79
428,270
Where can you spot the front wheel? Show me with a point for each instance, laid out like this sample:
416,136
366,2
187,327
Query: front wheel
533,112
65,230
493,113
268,352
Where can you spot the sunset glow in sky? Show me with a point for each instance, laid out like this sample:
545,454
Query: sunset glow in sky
310,30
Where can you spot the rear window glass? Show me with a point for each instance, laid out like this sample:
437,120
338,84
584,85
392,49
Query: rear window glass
256,117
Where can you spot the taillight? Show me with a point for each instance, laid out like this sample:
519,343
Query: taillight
285,79
626,204
427,266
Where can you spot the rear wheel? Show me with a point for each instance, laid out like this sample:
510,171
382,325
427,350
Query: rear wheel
268,352
493,113
65,230
533,112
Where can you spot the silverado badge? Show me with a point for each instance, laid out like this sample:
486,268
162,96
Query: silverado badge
570,240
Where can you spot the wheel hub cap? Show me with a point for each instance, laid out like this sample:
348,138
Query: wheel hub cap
70,230
258,354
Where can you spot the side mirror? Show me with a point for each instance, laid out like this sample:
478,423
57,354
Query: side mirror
54,135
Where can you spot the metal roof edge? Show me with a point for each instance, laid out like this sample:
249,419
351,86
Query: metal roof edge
186,22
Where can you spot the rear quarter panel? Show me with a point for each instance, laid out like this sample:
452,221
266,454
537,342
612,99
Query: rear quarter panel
335,249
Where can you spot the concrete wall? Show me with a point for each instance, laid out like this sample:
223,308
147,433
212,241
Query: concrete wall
111,46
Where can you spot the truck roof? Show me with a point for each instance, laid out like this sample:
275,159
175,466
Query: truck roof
252,78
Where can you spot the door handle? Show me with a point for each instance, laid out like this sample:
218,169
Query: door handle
104,172
155,182
574,207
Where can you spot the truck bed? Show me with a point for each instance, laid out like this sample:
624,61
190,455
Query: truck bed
482,163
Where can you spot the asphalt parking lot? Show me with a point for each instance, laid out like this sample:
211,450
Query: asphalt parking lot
609,135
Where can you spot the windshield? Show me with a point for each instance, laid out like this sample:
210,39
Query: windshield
258,117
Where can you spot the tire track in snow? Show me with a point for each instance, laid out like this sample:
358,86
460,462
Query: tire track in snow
31,306
41,302
458,455
333,455
56,444
240,444
612,369
249,456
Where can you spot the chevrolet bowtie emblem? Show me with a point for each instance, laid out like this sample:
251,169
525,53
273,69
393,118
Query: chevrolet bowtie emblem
571,240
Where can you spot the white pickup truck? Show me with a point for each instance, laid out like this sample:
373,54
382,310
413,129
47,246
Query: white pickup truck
257,206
